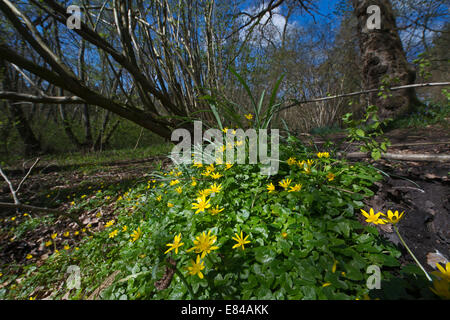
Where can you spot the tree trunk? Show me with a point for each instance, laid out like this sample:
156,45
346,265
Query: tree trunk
18,118
383,58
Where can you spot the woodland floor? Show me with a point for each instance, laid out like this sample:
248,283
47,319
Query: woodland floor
421,189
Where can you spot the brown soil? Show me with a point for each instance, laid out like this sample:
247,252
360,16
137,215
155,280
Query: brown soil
421,189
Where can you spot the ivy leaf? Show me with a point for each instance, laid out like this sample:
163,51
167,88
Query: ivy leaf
376,154
360,132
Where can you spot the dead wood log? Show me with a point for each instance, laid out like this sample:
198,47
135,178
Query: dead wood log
402,156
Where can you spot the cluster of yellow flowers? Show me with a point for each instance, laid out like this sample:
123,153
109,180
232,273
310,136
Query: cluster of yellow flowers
203,245
285,183
381,218
323,155
303,164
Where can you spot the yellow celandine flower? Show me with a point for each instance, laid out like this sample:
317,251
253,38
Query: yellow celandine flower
196,267
109,223
309,162
174,182
206,173
66,234
219,161
210,167
441,288
270,187
240,241
159,198
54,235
444,273
295,188
48,243
201,204
175,245
330,176
113,233
285,183
203,193
216,210
25,214
136,234
72,203
76,233
228,165
372,217
323,155
326,284
13,218
291,161
197,164
216,175
307,170
204,244
83,196
32,298
248,116
284,235
393,217
179,190
225,130
162,184
239,143
66,247
333,269
83,230
170,205
193,183
214,188
179,173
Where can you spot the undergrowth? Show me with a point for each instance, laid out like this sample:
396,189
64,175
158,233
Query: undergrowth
224,231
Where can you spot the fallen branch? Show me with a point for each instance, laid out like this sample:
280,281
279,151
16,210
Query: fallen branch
402,156
11,188
418,85
418,144
28,208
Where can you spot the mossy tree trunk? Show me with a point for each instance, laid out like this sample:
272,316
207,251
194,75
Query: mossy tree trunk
383,58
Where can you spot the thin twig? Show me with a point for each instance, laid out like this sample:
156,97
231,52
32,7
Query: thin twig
11,188
28,173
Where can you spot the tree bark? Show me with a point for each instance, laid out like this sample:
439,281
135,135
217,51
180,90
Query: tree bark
383,58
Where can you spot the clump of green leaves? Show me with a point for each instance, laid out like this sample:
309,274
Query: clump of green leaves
304,239
424,64
366,130
228,113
